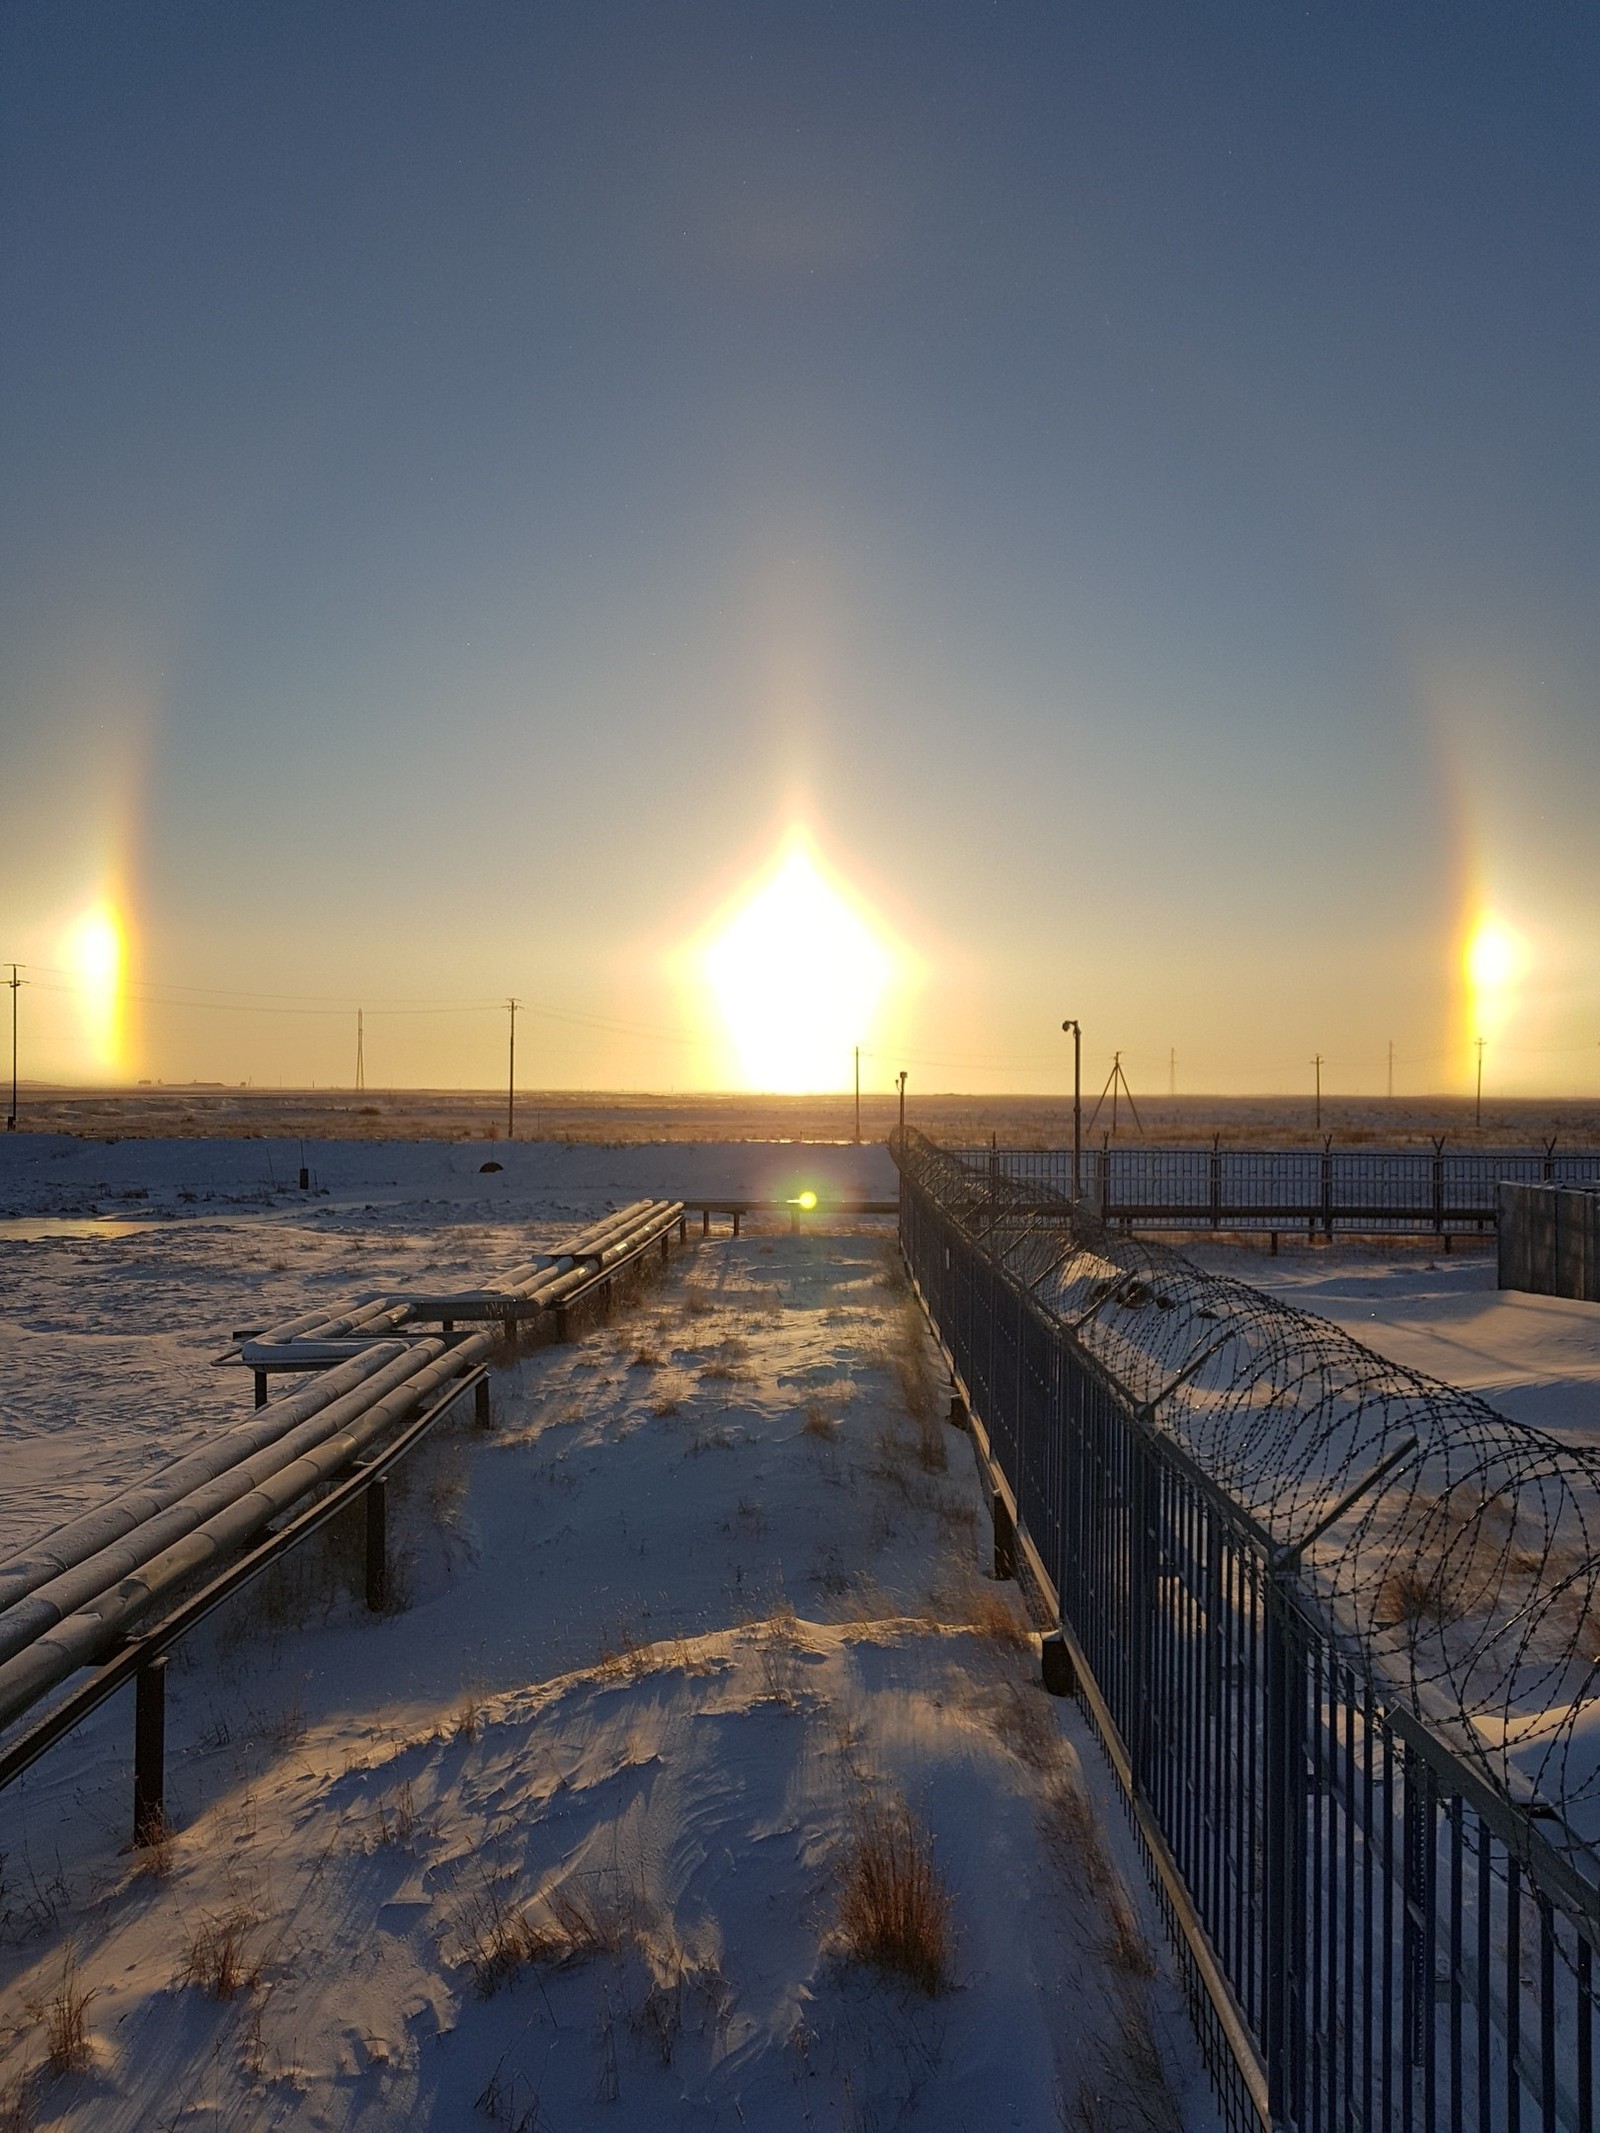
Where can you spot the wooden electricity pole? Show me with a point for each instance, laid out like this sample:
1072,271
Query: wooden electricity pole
16,985
511,1075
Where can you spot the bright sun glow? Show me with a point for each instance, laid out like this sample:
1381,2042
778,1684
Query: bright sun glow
1494,960
94,952
798,973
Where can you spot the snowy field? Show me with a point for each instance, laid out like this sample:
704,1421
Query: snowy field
1535,1358
567,1841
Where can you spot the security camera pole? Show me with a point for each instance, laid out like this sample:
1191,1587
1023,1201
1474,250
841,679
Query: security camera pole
1077,1102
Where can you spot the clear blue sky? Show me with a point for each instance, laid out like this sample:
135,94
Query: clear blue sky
473,475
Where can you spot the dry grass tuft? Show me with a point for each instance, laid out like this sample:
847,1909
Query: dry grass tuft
1073,1830
503,1939
894,1909
821,1420
66,2024
216,1960
17,2112
396,1826
696,1302
992,1613
665,1406
468,1719
645,1359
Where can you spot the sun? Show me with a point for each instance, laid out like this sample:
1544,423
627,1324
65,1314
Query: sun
1493,961
94,952
799,973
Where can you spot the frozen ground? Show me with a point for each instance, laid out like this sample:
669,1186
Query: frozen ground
708,1598
1535,1358
582,1115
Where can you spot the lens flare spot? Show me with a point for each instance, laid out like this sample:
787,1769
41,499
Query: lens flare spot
798,973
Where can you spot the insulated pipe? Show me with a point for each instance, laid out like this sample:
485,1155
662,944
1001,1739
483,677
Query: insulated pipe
93,1574
354,1318
211,1490
108,1521
654,1225
93,1530
85,1636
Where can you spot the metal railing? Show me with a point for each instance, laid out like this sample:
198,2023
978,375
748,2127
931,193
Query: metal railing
1439,1191
1338,1628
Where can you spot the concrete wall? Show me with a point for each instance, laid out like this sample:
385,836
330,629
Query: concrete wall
1549,1239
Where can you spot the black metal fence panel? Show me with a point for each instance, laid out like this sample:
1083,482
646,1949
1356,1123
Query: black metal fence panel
1403,1921
1407,1191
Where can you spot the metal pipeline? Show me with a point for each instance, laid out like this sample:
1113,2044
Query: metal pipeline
96,1572
108,1521
81,1638
80,1586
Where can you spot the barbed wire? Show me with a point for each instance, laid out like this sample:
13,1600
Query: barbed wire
1454,1549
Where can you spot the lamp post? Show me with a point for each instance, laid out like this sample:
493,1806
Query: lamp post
901,1079
1077,1103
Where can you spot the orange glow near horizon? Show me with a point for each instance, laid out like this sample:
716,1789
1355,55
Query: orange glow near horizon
799,972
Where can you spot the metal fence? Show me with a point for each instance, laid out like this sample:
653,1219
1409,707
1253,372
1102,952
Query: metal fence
1441,1191
1338,1627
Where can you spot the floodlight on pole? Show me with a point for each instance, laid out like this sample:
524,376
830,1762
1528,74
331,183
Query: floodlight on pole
1077,1103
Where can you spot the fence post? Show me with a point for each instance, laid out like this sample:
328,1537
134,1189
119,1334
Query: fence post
1438,1184
1216,1181
1283,1864
150,1751
376,1498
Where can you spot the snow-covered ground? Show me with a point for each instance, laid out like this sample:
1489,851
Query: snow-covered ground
708,1599
1535,1358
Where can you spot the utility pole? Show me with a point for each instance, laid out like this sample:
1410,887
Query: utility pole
901,1078
1077,1104
361,1064
1391,1069
858,1096
511,1075
1479,1119
16,985
1317,1063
